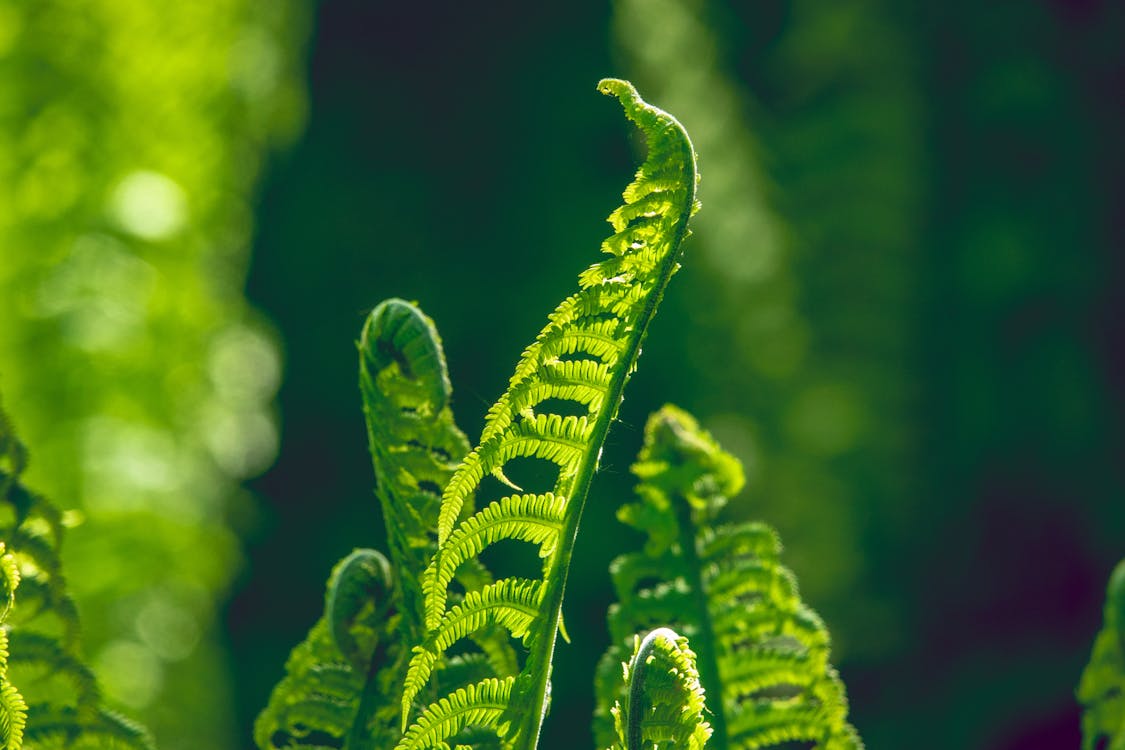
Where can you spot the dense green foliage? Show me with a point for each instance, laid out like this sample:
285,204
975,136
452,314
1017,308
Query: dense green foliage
763,652
582,358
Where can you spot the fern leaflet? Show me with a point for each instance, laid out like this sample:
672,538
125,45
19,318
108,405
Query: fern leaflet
584,355
1101,691
763,654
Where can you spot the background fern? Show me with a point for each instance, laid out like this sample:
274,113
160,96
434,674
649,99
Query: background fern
132,135
763,654
40,646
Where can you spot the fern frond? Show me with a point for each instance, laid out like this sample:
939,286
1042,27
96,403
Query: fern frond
665,704
1101,690
415,443
763,654
344,683
537,519
584,355
61,704
357,604
317,702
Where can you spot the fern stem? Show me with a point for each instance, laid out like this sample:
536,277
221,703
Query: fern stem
704,641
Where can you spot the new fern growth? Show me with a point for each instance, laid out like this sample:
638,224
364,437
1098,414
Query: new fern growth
344,682
763,654
418,652
665,702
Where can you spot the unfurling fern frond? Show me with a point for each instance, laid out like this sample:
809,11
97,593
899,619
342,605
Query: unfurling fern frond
344,683
762,654
1101,691
318,702
665,702
39,641
584,356
415,443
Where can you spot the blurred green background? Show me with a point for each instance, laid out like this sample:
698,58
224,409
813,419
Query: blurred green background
901,309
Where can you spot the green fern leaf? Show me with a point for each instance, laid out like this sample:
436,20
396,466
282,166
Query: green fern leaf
1101,690
584,355
665,704
763,654
357,604
61,705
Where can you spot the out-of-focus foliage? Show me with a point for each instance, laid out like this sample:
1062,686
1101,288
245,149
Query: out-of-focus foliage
61,705
131,137
1102,688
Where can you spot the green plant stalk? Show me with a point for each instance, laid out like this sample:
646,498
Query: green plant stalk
533,719
704,642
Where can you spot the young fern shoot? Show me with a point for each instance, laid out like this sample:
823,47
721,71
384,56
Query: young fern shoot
584,355
665,703
762,654
343,684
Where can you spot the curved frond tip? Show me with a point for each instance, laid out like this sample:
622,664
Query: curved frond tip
665,704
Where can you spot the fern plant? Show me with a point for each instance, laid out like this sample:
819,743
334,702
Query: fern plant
49,696
763,654
432,649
